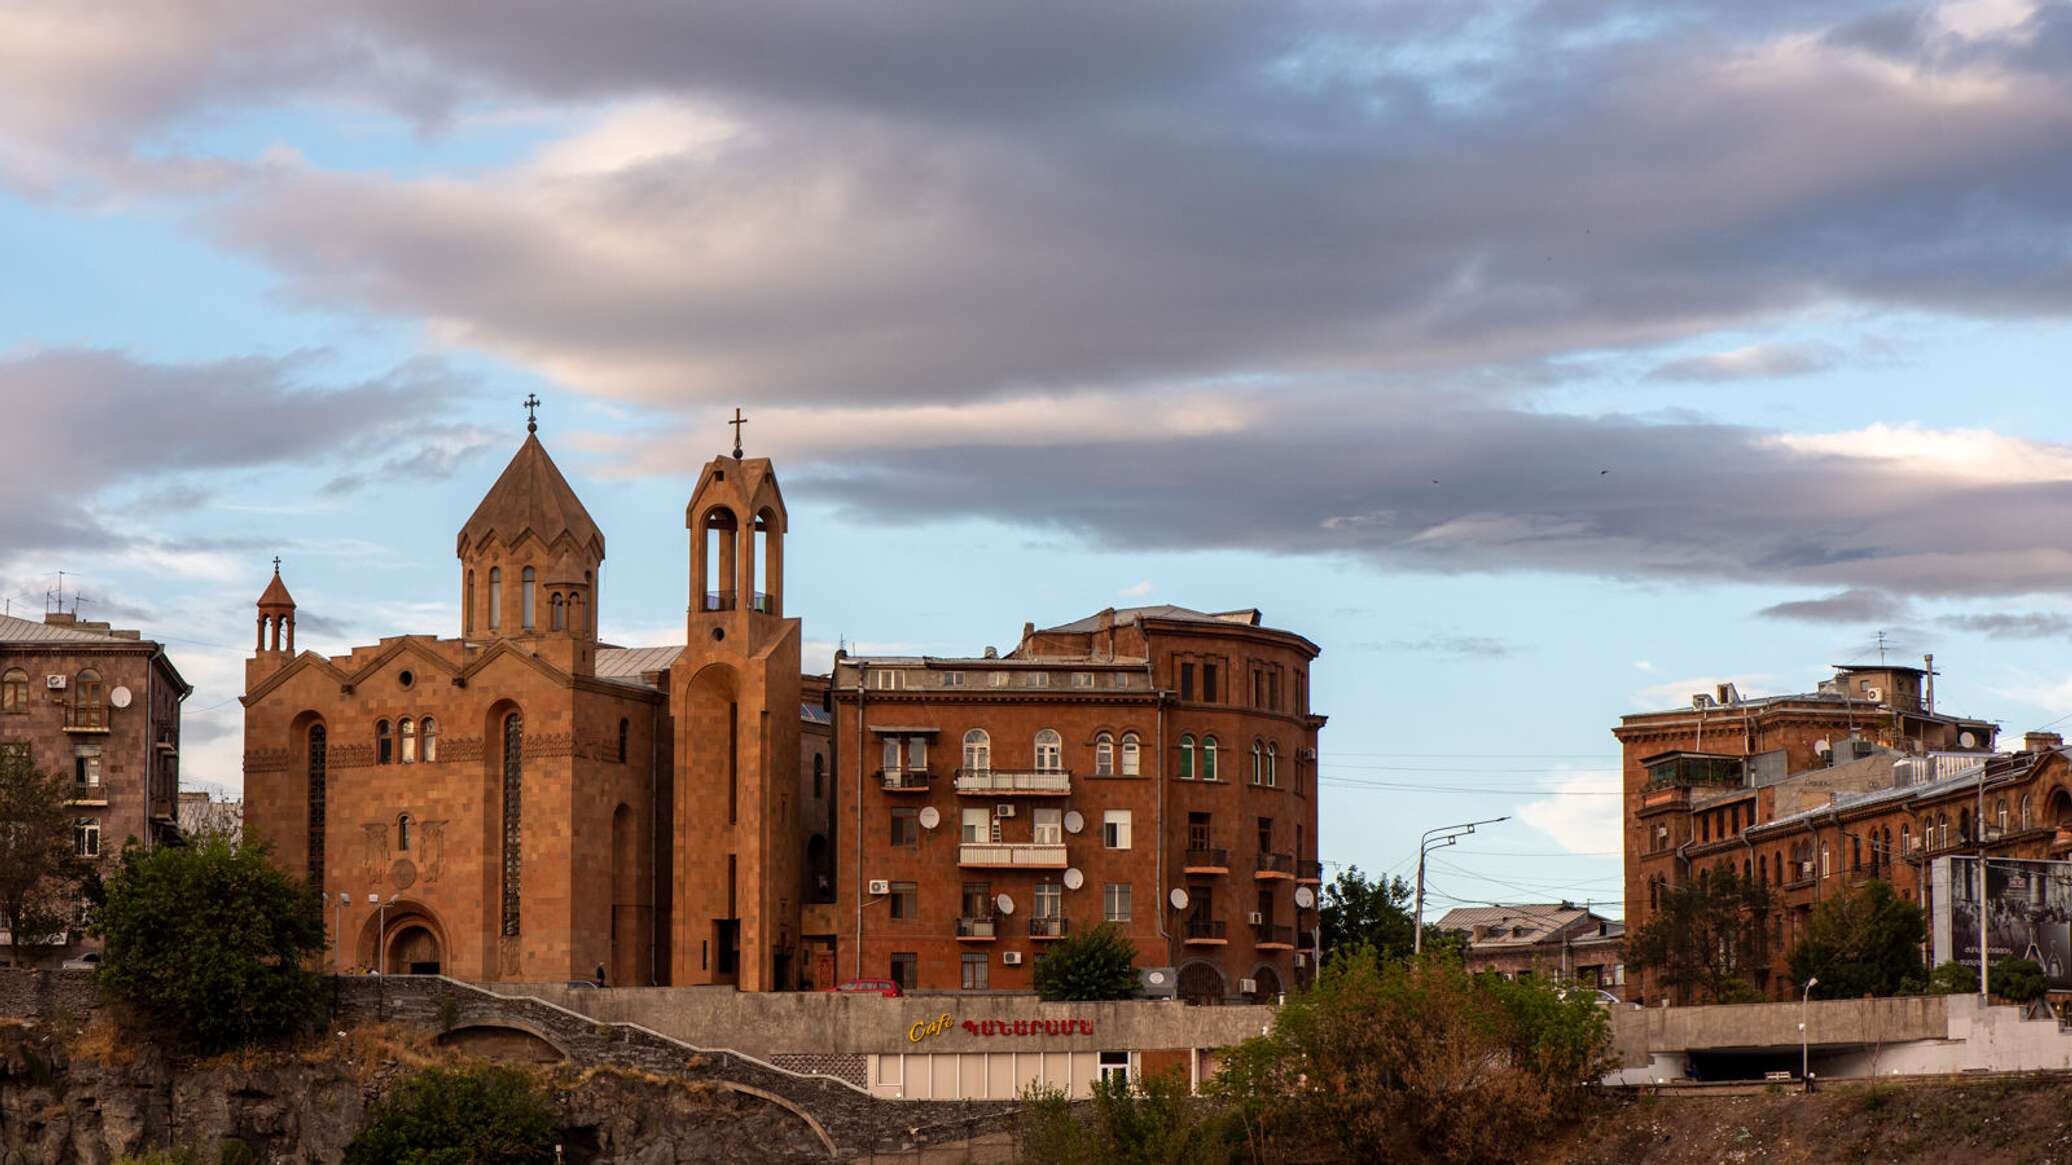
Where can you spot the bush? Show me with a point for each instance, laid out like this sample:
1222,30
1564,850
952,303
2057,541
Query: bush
207,942
2018,980
1953,979
1150,1121
1095,964
482,1116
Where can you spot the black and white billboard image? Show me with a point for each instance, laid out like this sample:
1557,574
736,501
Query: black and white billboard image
2028,913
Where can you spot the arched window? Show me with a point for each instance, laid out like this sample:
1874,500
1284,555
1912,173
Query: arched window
1132,755
1050,752
1746,873
2000,815
1855,853
1963,825
467,602
14,691
1104,755
1654,894
430,731
86,700
317,764
496,597
1208,758
514,834
527,600
384,747
407,732
625,728
1827,868
2028,814
403,833
1905,835
578,619
819,776
978,751
557,614
1273,765
1186,758
1258,773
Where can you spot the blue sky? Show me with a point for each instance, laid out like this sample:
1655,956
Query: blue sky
1542,360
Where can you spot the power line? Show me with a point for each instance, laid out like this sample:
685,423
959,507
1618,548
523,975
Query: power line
1423,769
1350,783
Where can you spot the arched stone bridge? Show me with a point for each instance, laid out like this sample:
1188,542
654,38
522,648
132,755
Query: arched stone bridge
847,1119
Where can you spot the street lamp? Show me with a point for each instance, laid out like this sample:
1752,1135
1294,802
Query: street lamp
381,906
338,933
1805,1054
1439,838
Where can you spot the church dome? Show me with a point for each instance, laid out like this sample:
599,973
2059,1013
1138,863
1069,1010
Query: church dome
531,497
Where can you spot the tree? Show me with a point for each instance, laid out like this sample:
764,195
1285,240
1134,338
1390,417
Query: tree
1863,941
478,1116
1100,963
1953,979
2018,980
1706,938
208,941
1354,912
39,862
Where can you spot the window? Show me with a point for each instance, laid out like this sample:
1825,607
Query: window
889,754
526,601
917,754
904,964
496,597
1104,755
514,832
407,731
2000,814
1050,900
1210,693
14,691
1050,753
906,827
1265,835
2026,810
1115,1067
819,772
1186,768
885,680
431,740
1049,825
977,901
998,679
1115,828
974,972
1132,756
1115,902
1082,679
86,771
86,837
317,765
953,679
384,747
978,826
1826,866
1187,681
906,900
1273,766
403,833
1258,770
1208,758
1039,679
625,730
978,751
557,615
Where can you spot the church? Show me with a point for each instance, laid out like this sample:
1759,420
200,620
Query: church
522,802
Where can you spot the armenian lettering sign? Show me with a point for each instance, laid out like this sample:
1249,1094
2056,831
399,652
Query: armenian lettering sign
2028,913
929,1028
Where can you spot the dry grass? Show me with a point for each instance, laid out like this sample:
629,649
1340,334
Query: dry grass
103,1041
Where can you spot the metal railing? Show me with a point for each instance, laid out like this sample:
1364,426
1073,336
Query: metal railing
897,780
1014,781
719,600
86,718
1049,926
1203,928
1309,871
1011,854
1206,858
1274,864
1272,934
979,927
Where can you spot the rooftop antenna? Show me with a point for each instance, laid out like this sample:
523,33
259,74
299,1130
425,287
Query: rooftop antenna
1881,648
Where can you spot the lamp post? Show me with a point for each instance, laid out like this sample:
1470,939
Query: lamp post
1805,1052
1439,838
338,933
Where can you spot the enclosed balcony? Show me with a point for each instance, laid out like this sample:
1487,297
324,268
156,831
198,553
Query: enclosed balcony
1021,782
1011,855
1206,861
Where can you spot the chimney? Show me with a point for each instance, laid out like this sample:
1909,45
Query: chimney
1928,696
2041,741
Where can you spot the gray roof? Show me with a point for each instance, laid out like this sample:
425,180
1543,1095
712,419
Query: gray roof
1988,768
1248,617
1536,922
615,663
17,630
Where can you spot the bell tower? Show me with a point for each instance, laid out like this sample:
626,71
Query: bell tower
735,702
275,646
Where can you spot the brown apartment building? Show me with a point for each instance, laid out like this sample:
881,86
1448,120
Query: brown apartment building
1153,767
521,801
103,705
1862,778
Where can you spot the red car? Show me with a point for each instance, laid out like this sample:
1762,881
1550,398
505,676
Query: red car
884,987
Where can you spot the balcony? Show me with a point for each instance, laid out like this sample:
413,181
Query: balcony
1206,861
1204,932
977,930
1054,926
89,794
903,780
1037,782
1269,937
1011,855
1309,873
1273,866
91,718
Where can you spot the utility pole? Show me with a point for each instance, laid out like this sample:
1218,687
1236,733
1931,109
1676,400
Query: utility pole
1439,838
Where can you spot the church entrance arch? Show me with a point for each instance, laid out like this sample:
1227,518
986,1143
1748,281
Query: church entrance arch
413,950
412,942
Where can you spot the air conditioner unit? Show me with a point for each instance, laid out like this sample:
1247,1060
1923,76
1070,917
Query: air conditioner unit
1010,958
1003,811
1874,695
1247,986
1256,918
1306,753
880,887
53,681
1302,958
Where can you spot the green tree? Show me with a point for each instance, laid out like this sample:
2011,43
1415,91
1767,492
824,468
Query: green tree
471,1116
1353,912
1705,939
2018,980
1098,963
1862,941
208,941
39,867
1953,979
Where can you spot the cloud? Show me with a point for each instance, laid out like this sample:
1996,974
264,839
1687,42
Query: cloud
1580,817
1136,590
1459,646
1758,362
1855,605
2012,625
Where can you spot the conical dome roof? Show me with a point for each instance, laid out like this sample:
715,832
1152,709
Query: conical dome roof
276,594
532,496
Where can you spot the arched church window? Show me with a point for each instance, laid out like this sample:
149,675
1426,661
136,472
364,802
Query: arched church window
407,730
578,617
527,614
384,745
496,597
431,740
514,788
467,600
557,614
403,832
318,756
978,751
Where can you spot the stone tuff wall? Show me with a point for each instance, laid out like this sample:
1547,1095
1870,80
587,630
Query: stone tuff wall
1641,1033
46,994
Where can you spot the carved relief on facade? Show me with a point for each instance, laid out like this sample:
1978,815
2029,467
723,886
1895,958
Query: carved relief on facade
268,760
351,756
460,749
374,846
547,745
431,849
402,874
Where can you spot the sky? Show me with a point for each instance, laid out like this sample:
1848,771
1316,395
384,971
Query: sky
1542,360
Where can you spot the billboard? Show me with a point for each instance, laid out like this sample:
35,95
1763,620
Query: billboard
2028,913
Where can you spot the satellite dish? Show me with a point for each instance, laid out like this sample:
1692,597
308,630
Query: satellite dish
1304,898
1822,745
1074,879
1178,898
1004,904
1073,821
930,817
1965,739
120,697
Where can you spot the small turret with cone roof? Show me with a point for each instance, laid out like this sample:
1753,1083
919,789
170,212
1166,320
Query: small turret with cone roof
276,616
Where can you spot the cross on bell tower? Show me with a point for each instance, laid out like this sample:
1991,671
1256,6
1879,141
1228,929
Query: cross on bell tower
737,422
532,424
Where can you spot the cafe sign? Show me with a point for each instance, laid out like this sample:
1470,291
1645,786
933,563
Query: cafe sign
927,1029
